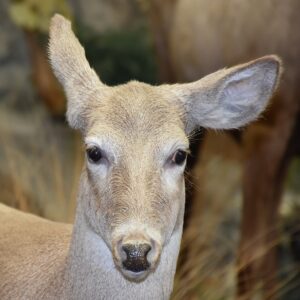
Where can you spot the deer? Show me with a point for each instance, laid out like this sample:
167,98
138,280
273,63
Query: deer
126,236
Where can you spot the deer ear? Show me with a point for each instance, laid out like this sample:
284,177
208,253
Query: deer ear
230,98
72,69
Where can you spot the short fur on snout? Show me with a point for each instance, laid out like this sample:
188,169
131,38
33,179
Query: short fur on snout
133,194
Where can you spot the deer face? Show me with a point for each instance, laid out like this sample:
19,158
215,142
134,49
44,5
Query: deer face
136,152
136,143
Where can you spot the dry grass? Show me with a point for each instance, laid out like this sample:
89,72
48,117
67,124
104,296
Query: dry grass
40,167
209,243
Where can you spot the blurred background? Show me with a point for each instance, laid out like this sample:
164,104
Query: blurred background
242,230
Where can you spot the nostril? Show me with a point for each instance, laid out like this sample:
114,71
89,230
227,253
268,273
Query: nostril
136,257
136,250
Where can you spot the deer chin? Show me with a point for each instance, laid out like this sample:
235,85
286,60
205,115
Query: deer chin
135,276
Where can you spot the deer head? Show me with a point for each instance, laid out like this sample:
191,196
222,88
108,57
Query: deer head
136,138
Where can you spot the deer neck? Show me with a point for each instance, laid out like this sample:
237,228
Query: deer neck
91,272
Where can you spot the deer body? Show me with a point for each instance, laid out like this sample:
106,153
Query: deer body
129,217
39,250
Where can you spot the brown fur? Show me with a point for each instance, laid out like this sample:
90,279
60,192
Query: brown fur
217,33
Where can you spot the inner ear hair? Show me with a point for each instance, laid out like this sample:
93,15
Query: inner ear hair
230,98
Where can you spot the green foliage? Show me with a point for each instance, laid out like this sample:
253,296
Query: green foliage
120,56
36,14
293,178
117,56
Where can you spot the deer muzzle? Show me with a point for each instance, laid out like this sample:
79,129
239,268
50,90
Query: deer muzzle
136,255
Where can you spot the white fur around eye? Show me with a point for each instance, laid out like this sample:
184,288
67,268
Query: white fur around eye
171,178
172,174
99,170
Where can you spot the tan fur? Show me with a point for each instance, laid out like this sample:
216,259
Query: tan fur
34,253
135,194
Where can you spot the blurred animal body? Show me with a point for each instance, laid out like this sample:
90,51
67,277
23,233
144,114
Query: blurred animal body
228,32
126,237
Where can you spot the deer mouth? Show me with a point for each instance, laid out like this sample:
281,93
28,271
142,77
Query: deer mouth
135,276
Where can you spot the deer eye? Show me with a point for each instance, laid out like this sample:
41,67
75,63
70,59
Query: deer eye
179,157
94,154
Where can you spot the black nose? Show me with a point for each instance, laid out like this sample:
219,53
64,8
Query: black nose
136,257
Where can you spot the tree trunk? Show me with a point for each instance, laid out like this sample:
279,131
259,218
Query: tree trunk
160,15
267,156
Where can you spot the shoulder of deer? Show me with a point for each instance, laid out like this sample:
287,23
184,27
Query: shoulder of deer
30,246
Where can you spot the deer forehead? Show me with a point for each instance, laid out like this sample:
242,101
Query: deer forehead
135,116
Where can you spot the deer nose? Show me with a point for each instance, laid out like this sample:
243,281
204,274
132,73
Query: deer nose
136,257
